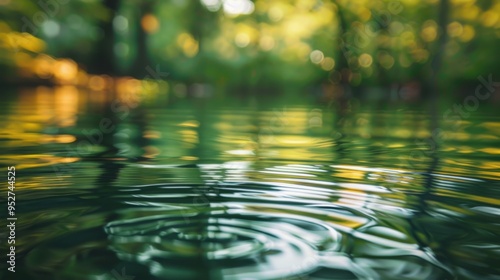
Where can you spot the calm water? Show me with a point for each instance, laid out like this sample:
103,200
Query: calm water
248,189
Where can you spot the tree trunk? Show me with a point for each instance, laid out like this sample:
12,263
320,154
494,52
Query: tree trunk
141,60
104,62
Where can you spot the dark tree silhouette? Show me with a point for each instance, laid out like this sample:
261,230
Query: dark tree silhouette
104,57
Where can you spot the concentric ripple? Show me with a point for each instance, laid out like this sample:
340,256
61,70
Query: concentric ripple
233,230
240,246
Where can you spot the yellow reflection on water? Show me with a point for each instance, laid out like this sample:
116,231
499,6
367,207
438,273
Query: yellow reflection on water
466,196
35,160
62,139
492,151
66,105
350,174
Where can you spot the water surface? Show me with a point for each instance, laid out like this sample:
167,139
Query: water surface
246,188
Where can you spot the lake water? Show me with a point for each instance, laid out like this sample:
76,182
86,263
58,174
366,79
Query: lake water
248,188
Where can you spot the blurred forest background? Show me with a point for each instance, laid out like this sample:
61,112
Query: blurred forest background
259,44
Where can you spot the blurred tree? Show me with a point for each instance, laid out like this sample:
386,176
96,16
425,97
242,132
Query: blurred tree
437,62
247,43
144,21
104,53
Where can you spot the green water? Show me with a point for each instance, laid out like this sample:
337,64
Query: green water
248,188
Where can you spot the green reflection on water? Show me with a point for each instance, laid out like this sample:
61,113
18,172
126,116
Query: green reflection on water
213,188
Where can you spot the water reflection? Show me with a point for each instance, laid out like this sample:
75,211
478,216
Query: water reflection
211,189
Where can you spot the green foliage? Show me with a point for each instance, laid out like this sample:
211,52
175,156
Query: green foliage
269,42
